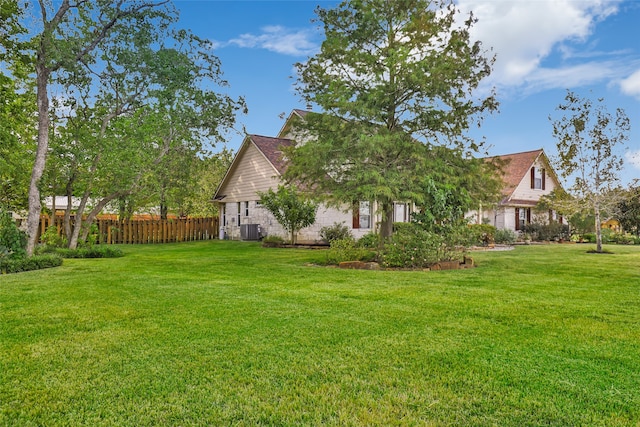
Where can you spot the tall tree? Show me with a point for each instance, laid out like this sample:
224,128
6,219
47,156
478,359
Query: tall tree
17,109
68,38
17,138
134,90
394,79
587,137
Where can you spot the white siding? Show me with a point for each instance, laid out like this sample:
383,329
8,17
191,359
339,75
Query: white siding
524,191
251,173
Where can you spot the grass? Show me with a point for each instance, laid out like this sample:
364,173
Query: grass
228,333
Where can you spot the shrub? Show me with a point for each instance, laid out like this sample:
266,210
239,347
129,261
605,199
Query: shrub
272,240
623,239
481,234
97,251
554,231
411,247
347,250
369,241
12,238
51,238
505,237
335,232
35,262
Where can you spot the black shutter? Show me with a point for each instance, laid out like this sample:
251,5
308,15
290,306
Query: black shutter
544,178
517,219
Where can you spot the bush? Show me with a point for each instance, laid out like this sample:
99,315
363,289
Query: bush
369,241
623,239
35,262
547,232
505,237
554,231
51,238
481,234
347,250
335,232
272,240
591,237
97,251
411,247
12,239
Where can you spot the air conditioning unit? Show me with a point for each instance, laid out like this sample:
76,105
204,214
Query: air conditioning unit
250,231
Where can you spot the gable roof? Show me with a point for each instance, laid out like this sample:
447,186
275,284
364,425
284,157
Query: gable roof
295,114
516,166
271,148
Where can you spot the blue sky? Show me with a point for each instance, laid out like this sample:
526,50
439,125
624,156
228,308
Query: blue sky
543,47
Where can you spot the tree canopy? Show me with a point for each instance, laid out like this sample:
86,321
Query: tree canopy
394,80
119,88
587,137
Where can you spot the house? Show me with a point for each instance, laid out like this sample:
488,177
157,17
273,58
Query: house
259,165
527,177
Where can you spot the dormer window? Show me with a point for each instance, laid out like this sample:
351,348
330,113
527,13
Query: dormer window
538,178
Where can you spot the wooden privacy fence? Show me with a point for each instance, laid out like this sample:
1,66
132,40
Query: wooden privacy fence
135,231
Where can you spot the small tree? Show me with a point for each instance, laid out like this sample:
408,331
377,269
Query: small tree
291,209
587,136
12,240
628,211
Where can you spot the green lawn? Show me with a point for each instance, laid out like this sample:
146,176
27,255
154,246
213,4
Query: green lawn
228,333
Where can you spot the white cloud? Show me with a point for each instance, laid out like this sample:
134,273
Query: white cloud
633,158
631,85
524,33
277,39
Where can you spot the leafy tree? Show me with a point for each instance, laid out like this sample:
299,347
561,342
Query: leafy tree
394,79
628,211
209,175
17,107
145,107
16,141
291,209
587,136
68,38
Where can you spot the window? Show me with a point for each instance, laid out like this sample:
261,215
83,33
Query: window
523,217
239,212
400,212
538,178
365,215
246,208
361,215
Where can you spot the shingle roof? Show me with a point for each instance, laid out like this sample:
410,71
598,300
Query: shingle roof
516,166
271,148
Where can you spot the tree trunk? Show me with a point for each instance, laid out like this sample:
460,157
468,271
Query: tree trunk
33,217
293,237
75,234
94,212
386,225
598,228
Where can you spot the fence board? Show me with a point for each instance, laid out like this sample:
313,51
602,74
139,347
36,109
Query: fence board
144,231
